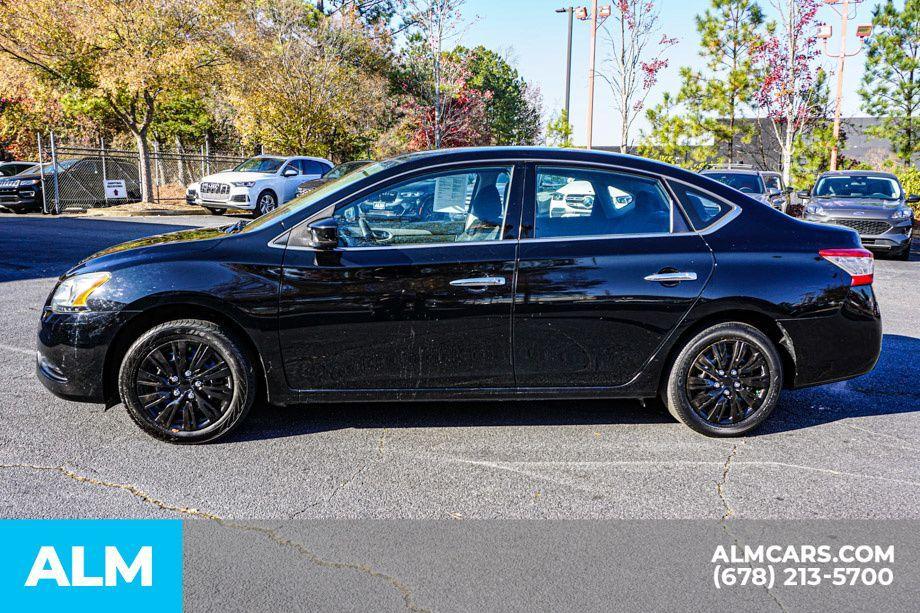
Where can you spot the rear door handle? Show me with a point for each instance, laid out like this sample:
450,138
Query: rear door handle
478,282
671,277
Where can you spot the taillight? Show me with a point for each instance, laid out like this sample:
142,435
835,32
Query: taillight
858,263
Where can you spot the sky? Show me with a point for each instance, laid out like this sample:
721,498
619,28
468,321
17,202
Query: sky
533,36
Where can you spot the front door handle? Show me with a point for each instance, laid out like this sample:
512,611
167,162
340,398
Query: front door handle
477,282
671,277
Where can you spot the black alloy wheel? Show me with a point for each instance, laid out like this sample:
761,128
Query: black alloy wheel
187,381
728,381
725,381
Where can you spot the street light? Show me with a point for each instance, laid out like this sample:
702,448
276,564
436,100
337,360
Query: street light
863,31
582,14
568,64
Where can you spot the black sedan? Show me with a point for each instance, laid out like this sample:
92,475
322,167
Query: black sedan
690,292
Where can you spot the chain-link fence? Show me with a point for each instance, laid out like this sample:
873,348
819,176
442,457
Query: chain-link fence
80,177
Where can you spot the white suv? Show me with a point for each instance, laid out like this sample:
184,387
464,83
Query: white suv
259,184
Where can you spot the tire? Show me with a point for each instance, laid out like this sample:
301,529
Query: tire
216,211
198,413
265,203
747,407
904,255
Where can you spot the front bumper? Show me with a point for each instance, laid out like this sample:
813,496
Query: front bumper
22,199
72,349
237,198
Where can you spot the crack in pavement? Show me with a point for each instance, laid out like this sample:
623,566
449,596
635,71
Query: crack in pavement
271,533
720,485
729,512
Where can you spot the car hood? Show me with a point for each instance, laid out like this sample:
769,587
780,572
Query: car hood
151,248
858,207
230,177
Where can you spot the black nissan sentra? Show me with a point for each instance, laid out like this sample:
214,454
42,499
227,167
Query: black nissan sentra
659,284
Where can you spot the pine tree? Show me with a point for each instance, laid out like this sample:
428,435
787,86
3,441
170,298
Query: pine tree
891,82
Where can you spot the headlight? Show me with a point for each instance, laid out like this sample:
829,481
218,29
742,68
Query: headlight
902,214
556,196
243,183
814,209
24,182
72,294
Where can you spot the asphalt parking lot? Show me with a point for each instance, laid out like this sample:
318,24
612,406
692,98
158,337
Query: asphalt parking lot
848,450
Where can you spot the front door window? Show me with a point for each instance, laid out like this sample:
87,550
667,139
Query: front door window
448,207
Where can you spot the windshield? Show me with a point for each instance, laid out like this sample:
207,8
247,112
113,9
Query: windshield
343,169
743,182
310,198
266,165
856,186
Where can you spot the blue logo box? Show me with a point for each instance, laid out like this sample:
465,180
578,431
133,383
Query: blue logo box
91,565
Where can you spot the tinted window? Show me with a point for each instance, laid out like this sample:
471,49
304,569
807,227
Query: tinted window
702,209
773,183
576,202
743,182
440,208
311,167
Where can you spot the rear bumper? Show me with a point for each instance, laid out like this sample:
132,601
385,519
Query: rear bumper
836,347
72,350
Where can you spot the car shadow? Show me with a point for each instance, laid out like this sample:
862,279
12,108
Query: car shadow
38,247
890,389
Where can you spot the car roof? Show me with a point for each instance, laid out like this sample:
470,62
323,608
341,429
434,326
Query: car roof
732,171
288,158
857,173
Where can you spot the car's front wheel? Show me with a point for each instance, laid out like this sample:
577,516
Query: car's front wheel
187,381
725,381
266,203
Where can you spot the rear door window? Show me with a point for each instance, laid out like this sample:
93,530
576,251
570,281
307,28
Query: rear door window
702,209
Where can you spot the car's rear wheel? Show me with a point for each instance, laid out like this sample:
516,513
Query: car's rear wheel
266,203
187,381
725,381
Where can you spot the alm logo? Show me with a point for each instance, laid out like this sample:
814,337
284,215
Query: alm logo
48,567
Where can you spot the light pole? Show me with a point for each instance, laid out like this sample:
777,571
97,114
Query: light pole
568,63
824,33
582,13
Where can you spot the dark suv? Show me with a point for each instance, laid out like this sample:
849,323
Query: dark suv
81,183
872,203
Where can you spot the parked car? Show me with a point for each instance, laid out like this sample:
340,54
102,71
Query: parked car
81,184
576,199
8,169
693,293
872,203
259,184
336,173
765,186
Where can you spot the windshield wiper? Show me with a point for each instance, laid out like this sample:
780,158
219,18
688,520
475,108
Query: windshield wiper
236,227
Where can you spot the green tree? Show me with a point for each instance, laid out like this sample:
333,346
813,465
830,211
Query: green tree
891,81
677,136
559,130
513,109
729,32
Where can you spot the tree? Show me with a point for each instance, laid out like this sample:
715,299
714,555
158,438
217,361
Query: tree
433,23
120,54
729,32
790,74
678,136
559,130
306,83
891,81
635,59
513,109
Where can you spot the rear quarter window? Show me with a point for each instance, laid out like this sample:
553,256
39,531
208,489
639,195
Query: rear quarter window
702,209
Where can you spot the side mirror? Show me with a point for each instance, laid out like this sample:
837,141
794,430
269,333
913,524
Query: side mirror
290,172
324,234
913,199
804,194
788,189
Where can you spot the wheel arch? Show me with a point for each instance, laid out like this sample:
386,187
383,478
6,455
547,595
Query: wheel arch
766,324
160,313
